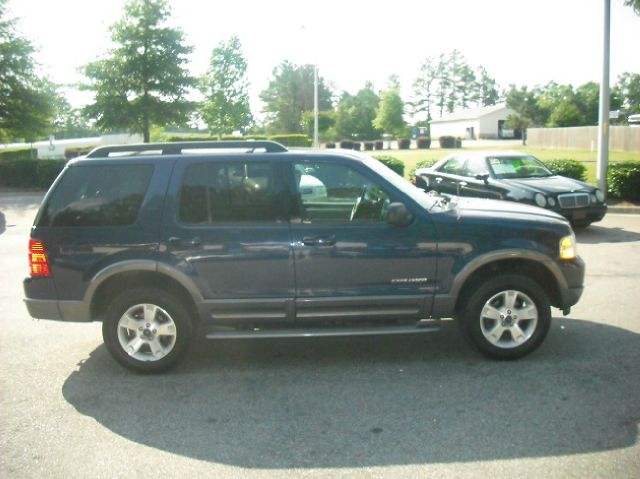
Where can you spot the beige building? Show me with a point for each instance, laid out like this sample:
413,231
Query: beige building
478,123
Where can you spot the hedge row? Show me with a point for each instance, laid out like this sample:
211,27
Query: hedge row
570,168
624,180
23,154
29,173
421,164
394,163
286,140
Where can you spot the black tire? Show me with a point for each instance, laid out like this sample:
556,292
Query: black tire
151,312
498,331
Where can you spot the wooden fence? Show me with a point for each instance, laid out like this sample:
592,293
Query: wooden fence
621,138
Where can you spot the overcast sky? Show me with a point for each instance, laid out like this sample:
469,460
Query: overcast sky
521,42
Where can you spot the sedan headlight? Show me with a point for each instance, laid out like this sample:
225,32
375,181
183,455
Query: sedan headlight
541,201
552,201
568,247
599,196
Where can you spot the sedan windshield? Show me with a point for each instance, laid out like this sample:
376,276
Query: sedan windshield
510,167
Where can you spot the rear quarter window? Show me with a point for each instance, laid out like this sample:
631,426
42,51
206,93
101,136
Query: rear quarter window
97,195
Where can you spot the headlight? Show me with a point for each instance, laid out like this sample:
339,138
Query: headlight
599,196
552,201
541,201
568,248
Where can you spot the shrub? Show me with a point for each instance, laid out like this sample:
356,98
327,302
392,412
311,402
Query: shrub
70,153
357,145
423,142
20,154
368,145
404,144
330,145
292,140
29,173
458,142
379,145
447,142
570,168
346,144
394,163
421,164
624,180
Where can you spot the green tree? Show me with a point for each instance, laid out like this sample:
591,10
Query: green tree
326,120
524,102
487,88
519,122
635,4
566,113
289,94
25,100
355,114
389,117
144,80
225,87
68,122
628,88
423,91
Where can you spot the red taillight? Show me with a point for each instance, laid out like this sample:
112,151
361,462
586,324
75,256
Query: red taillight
38,263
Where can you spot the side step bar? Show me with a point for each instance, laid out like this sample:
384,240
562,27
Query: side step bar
429,327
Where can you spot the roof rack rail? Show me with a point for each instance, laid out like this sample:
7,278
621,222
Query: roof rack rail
177,147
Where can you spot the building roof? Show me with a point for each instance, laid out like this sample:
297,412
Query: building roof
471,114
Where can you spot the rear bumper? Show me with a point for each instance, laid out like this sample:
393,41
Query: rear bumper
71,311
38,300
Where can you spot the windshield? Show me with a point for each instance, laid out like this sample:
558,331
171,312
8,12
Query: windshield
510,167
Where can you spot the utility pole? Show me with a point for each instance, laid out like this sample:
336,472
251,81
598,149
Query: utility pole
316,143
603,123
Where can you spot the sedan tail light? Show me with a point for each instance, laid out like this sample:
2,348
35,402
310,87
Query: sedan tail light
38,262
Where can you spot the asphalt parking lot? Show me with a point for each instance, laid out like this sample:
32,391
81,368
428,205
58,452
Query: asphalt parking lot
405,407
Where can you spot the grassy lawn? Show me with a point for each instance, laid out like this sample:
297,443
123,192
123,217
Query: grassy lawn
411,157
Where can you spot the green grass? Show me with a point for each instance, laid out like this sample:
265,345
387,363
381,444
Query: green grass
589,158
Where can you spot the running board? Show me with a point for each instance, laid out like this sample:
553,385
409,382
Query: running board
321,332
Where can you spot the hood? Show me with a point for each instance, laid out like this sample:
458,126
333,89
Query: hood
550,185
502,210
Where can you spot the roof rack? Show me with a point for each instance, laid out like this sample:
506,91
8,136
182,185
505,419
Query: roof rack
177,147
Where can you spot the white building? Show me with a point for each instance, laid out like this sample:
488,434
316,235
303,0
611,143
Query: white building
479,123
54,149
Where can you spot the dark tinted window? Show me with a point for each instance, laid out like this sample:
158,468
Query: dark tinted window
98,195
216,192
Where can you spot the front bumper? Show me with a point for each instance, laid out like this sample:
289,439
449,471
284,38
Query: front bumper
573,272
590,214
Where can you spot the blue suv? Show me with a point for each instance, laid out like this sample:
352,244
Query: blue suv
248,239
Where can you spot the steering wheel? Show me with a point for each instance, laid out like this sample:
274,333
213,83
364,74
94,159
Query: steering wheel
361,199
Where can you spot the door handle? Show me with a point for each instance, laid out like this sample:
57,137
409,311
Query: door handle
177,242
319,240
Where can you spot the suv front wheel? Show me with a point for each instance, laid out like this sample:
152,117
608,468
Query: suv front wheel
507,317
146,330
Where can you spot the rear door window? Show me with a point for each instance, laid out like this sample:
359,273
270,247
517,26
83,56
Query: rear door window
221,192
98,195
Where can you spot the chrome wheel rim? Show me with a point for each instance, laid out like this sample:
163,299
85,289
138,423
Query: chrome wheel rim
509,319
146,332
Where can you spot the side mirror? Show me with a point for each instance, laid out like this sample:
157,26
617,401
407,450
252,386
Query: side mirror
484,178
399,215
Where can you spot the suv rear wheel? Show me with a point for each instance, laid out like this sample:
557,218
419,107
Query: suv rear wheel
507,317
146,330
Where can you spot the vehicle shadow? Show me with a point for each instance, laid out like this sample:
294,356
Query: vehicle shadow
359,402
601,234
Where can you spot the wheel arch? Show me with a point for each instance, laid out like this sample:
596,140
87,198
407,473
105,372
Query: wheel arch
533,269
114,284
